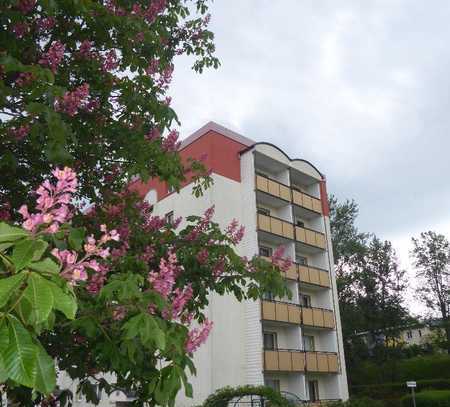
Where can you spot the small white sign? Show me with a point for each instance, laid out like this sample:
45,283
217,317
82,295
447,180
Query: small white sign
411,384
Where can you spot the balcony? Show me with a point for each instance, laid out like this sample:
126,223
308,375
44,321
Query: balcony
295,314
313,276
308,205
274,188
309,239
276,226
286,360
290,274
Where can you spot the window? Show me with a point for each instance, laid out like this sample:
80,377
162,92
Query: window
409,334
265,251
420,332
308,343
270,341
313,389
262,174
169,217
170,189
299,222
304,300
263,211
302,260
273,384
268,296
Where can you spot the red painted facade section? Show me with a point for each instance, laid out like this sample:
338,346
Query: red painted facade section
324,198
219,153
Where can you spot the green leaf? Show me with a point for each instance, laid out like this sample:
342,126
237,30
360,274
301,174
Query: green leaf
76,238
39,250
63,302
11,233
6,245
40,295
8,286
45,266
4,341
24,252
45,377
21,354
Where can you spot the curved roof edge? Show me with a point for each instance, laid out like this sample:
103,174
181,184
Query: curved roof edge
281,151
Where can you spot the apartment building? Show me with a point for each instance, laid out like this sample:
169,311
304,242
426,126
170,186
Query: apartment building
293,345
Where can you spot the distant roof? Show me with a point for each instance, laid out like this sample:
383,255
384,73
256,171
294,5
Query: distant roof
213,126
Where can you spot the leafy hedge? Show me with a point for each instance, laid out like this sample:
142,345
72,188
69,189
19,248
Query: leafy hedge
359,402
434,398
417,368
221,397
397,390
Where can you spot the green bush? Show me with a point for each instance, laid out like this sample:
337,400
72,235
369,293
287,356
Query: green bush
434,398
221,397
397,390
362,402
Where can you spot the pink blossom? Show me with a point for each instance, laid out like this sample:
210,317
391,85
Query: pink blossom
25,79
279,260
110,62
119,313
72,101
140,36
153,134
219,267
164,280
85,50
198,336
180,299
156,7
25,6
202,225
21,132
202,256
171,143
234,232
45,23
52,202
5,213
53,57
20,29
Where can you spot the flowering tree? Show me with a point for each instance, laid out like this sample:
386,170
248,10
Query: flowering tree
118,301
85,84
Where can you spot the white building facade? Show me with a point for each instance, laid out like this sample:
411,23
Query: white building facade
293,345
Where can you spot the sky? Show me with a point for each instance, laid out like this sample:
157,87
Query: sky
359,88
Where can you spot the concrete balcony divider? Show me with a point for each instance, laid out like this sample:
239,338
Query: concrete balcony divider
295,314
281,360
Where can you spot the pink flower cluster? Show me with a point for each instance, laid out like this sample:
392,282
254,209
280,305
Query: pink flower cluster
20,29
21,132
75,271
202,225
198,336
161,77
25,6
171,143
279,260
25,79
163,281
5,211
53,202
53,57
45,23
110,61
71,102
150,14
180,299
235,232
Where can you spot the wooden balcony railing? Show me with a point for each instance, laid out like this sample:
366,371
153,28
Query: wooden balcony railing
310,237
287,193
306,201
272,187
295,314
276,226
281,360
313,275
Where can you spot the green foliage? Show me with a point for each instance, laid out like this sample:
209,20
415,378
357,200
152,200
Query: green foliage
223,396
432,398
357,402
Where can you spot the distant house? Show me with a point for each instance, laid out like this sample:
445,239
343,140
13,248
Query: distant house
418,334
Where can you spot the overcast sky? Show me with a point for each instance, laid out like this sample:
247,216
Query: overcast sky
360,88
